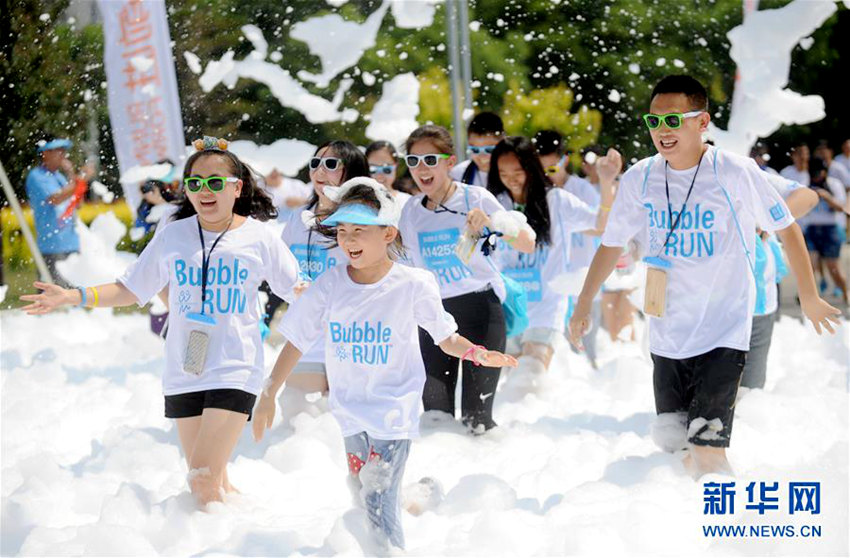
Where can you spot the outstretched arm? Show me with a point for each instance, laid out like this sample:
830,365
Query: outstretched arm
462,348
53,297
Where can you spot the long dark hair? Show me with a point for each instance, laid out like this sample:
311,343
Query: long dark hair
354,163
537,184
364,195
252,201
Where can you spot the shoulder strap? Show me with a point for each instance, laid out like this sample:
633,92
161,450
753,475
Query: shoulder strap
466,195
469,173
646,175
750,257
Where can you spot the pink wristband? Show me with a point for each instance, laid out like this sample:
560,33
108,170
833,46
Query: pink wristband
470,352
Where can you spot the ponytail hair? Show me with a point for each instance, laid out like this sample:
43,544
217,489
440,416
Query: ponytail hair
252,201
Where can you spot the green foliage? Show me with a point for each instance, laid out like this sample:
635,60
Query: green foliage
583,67
50,82
549,109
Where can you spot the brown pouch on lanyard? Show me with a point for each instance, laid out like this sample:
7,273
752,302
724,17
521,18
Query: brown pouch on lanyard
655,298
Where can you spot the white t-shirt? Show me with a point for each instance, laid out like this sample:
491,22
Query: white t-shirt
583,246
479,177
791,173
768,250
288,188
401,197
844,161
315,257
371,343
430,239
840,173
567,214
243,258
784,187
710,284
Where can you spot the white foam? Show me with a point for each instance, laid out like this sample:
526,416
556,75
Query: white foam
98,261
140,173
761,48
286,155
193,61
286,89
337,42
416,15
394,115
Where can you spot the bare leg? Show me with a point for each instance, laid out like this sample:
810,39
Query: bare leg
609,317
624,312
225,484
187,429
216,438
702,460
837,277
541,352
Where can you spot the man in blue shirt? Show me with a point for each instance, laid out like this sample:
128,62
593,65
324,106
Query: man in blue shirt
50,193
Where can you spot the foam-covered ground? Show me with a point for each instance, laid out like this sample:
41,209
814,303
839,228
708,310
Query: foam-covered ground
91,467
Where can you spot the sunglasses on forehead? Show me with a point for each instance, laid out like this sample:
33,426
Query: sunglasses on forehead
481,150
330,163
214,184
381,169
430,160
672,120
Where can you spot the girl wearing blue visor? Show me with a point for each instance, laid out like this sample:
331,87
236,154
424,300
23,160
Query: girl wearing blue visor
369,313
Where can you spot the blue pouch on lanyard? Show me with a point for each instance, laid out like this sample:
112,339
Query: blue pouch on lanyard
515,305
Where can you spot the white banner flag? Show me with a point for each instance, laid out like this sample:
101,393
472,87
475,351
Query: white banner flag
144,107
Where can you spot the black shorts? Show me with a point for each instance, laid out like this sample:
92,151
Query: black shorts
824,240
193,404
704,387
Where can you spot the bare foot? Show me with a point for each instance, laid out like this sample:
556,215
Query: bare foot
229,488
225,484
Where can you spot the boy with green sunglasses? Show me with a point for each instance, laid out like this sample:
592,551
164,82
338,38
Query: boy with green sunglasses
694,209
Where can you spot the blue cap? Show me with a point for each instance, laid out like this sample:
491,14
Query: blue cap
54,144
356,214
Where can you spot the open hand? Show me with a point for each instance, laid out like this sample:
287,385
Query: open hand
579,326
495,359
821,314
263,416
49,299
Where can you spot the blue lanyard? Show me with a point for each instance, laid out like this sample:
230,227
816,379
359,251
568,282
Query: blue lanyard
684,205
205,259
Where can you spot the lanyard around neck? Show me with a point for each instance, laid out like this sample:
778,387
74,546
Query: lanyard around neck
205,259
684,205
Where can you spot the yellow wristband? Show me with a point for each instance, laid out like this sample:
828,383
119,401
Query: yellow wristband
604,208
94,292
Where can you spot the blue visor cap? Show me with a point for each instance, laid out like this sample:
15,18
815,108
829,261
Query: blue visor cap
355,214
55,144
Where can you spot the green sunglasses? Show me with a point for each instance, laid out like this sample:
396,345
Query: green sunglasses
672,120
214,184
